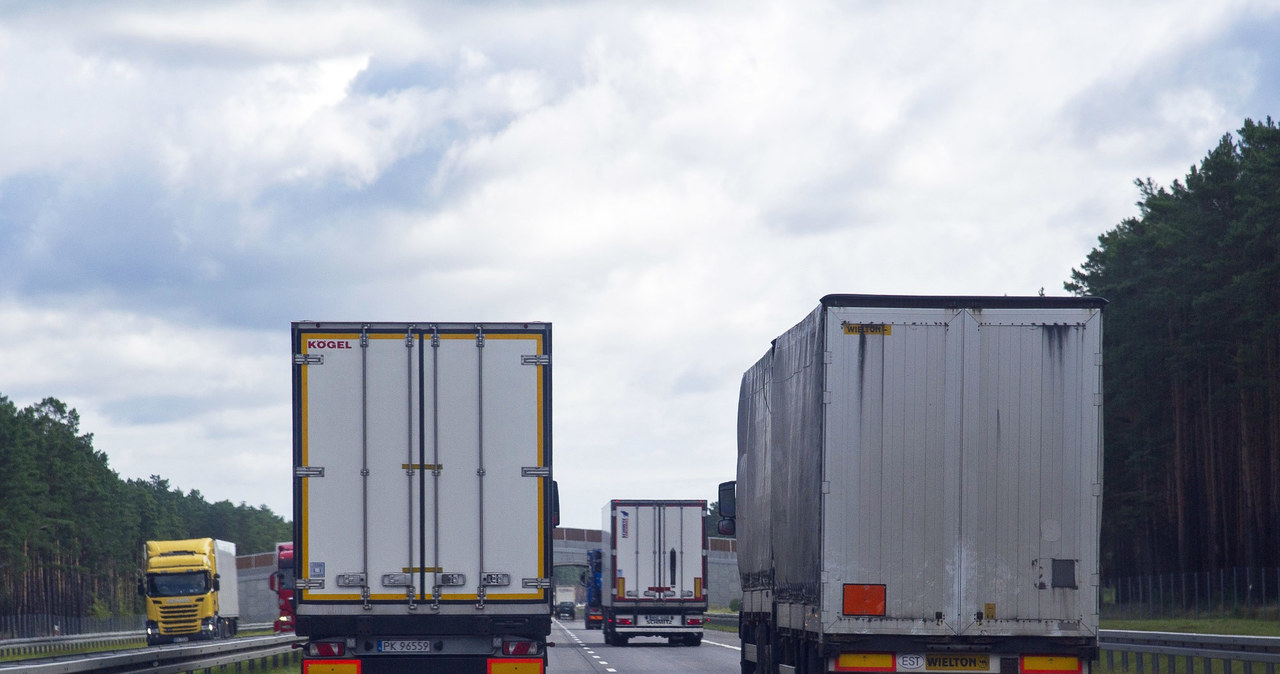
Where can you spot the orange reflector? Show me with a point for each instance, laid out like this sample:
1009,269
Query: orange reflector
622,588
1050,664
330,667
863,599
865,662
697,588
508,666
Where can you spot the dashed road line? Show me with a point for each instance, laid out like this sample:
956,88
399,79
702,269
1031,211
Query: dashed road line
717,643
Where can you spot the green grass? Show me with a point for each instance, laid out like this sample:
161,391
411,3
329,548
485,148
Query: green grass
1242,626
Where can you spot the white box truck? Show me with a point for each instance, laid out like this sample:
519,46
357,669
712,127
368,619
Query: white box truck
919,488
423,499
654,571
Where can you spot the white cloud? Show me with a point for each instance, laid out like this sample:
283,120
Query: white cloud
192,403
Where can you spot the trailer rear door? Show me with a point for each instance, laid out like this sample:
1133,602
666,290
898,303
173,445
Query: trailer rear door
422,466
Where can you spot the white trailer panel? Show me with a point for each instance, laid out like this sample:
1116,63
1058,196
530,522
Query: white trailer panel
423,459
657,554
224,560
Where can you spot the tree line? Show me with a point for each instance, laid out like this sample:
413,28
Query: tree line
72,531
1192,365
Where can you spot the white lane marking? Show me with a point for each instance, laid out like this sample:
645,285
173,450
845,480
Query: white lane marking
717,643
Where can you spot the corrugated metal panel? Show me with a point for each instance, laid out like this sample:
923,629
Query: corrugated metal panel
962,449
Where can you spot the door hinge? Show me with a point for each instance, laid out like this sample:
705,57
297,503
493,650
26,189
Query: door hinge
535,582
308,471
308,359
536,359
535,471
309,583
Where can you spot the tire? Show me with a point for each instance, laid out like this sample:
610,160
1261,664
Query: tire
812,658
746,635
693,641
764,650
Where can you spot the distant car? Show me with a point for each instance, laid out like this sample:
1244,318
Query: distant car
565,609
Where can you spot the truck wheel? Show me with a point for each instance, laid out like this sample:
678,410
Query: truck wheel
693,641
811,659
764,650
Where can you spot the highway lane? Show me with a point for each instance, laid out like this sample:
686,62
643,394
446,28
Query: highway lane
581,651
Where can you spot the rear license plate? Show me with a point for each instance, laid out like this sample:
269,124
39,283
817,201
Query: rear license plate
657,619
404,646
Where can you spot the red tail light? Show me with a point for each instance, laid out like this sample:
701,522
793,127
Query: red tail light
694,621
327,649
624,621
521,647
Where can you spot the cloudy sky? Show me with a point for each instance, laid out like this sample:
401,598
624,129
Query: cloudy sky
671,184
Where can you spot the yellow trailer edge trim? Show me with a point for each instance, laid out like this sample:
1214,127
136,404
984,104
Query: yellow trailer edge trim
541,458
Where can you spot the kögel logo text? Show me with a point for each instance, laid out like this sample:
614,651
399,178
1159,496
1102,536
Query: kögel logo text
328,344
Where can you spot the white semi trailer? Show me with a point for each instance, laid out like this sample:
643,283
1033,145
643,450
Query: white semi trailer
919,488
654,571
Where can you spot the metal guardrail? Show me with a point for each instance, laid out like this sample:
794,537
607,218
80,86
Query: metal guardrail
1156,652
1149,649
48,646
166,659
722,619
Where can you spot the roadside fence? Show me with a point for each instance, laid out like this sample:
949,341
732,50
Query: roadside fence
1242,592
45,625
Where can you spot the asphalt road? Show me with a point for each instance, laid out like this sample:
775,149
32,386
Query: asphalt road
582,651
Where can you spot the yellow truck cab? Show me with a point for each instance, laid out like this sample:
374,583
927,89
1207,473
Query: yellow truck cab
190,588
